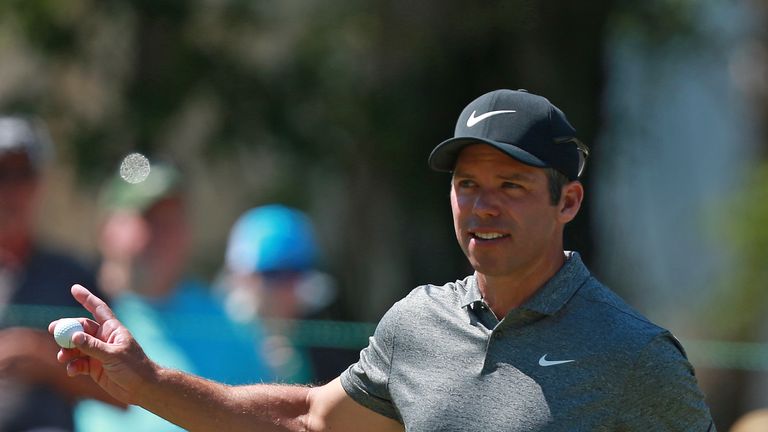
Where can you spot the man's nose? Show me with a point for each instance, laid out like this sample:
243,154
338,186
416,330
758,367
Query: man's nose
486,204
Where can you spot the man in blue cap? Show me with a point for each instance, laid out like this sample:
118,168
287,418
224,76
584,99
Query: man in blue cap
530,342
271,277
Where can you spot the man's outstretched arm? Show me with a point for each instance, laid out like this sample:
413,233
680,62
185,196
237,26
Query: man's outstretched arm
198,404
107,352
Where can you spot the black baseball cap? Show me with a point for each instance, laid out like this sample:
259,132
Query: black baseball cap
523,125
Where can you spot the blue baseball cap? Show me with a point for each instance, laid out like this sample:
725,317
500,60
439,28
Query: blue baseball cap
271,238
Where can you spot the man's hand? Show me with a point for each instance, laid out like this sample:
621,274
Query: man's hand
29,355
106,351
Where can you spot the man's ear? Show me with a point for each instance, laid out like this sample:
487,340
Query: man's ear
570,201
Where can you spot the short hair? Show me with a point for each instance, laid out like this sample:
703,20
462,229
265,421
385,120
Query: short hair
556,180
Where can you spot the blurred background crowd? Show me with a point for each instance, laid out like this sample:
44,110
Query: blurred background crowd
308,123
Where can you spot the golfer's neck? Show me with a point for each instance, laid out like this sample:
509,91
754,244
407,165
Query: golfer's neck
507,292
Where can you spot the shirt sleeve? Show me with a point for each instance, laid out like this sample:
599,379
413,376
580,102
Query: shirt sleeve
367,381
662,394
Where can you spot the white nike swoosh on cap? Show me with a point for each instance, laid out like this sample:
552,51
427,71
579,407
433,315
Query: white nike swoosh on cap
544,362
472,120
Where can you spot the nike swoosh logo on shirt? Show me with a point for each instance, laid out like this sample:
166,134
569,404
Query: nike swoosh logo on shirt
472,120
544,362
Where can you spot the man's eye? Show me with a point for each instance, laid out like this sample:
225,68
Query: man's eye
510,185
465,183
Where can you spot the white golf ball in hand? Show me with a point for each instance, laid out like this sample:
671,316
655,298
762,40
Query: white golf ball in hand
64,330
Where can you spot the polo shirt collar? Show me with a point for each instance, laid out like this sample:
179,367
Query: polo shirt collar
551,297
472,296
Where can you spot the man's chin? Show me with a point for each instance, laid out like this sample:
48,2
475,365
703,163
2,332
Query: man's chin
489,269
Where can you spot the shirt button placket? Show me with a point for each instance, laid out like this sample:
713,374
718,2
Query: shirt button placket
488,361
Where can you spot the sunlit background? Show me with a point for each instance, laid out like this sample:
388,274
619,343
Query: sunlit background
333,106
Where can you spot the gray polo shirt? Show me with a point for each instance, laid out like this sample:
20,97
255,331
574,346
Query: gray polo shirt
574,357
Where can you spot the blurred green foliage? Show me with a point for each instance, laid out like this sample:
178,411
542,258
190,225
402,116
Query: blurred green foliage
339,80
742,300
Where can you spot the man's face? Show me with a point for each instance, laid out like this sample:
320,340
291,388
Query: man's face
18,188
168,244
152,245
502,214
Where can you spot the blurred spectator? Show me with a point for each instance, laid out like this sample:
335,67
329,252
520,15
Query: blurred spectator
271,275
753,421
144,243
35,393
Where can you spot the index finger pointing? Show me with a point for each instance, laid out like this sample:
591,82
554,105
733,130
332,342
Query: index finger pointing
96,306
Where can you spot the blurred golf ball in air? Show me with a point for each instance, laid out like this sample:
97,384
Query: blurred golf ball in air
135,168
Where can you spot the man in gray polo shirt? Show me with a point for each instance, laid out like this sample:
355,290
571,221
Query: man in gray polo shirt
529,342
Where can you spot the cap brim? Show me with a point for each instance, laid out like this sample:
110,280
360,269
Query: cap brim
443,156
